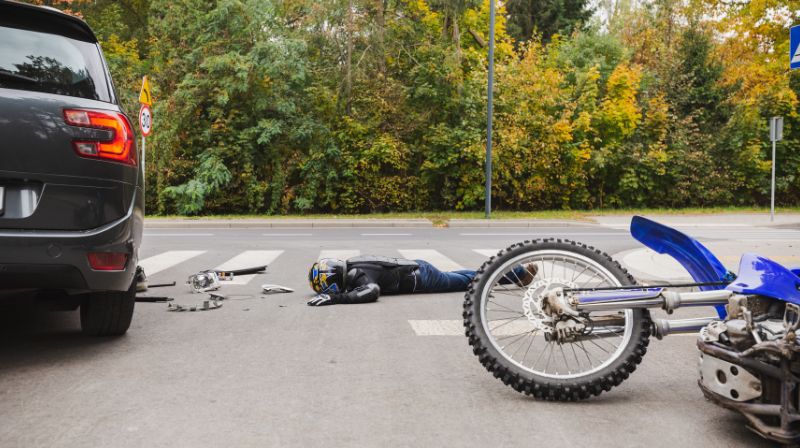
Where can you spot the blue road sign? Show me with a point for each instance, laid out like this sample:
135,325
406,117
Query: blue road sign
794,47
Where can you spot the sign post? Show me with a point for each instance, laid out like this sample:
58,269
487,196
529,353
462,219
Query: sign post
490,94
794,47
775,135
145,120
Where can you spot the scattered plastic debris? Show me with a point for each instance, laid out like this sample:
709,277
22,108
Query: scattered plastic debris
211,280
207,305
149,299
275,289
141,280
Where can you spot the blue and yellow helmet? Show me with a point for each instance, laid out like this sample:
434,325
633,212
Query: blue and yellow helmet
327,276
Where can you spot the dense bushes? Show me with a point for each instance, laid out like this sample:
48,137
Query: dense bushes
378,105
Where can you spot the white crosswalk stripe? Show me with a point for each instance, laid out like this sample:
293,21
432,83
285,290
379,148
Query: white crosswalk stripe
340,254
248,259
437,327
166,260
433,257
487,252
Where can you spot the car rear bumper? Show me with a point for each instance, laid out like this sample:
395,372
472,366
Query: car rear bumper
44,259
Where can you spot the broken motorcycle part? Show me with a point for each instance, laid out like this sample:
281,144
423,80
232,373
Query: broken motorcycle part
154,299
275,289
210,280
141,279
207,305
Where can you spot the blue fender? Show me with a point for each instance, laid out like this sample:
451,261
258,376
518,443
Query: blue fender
701,264
764,277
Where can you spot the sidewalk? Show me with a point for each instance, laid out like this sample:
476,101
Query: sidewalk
622,221
286,223
648,266
784,220
280,223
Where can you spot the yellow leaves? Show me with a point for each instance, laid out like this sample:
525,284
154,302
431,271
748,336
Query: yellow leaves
562,130
656,119
477,20
755,49
584,152
583,121
430,19
620,112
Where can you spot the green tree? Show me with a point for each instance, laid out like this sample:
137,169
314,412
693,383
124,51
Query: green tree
229,83
526,18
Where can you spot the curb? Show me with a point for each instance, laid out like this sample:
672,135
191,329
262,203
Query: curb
285,223
511,223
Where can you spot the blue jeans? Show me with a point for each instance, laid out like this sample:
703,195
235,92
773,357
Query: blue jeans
430,279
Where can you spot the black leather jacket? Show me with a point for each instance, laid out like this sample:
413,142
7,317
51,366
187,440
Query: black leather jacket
368,276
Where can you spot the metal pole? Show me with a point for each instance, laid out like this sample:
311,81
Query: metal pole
144,167
488,199
772,195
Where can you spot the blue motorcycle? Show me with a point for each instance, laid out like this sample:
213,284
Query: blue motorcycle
582,325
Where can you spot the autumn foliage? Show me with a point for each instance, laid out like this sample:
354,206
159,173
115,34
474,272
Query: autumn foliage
380,105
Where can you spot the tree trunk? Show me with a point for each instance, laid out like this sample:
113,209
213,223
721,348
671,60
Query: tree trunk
457,40
348,81
380,26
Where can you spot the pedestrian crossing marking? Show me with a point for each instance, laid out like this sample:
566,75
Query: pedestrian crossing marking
451,327
433,257
339,254
248,259
170,259
437,327
166,260
487,252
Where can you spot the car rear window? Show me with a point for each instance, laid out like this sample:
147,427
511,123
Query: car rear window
51,63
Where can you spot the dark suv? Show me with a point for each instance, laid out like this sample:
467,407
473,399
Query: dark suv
71,200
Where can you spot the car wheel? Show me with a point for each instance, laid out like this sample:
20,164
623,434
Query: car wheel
108,313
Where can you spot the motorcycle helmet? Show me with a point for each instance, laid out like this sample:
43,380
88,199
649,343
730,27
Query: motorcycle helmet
327,276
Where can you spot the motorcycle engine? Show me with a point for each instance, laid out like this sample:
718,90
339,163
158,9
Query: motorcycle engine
751,319
749,363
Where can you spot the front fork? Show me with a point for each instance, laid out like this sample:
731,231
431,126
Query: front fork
577,303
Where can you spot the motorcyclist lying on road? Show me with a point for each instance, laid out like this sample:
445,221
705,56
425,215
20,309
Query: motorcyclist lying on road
363,279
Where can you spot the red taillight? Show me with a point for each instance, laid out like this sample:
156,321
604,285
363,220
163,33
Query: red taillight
119,148
108,261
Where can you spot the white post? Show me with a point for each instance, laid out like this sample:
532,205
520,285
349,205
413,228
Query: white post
775,134
772,193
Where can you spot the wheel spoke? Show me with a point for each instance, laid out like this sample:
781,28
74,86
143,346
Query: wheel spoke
533,338
506,323
502,306
505,320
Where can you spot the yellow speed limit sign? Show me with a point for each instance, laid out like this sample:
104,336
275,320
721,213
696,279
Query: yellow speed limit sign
145,120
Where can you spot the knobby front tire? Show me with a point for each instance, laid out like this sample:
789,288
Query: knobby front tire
574,370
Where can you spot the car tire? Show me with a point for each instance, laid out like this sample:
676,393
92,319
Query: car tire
108,313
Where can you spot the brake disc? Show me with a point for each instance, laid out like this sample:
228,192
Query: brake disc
533,301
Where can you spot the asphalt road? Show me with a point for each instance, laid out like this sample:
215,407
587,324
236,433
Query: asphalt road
270,371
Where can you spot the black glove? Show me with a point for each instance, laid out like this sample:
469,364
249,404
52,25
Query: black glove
321,300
